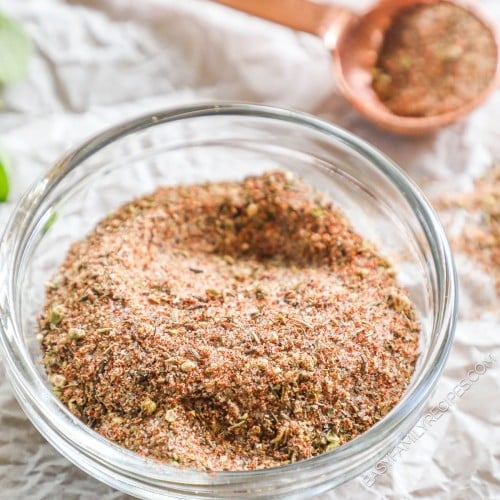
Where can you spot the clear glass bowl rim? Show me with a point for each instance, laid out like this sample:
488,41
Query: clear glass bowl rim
26,381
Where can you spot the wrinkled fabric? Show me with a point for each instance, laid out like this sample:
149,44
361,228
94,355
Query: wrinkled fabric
98,62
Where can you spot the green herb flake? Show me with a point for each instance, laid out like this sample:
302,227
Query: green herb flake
333,441
55,315
76,333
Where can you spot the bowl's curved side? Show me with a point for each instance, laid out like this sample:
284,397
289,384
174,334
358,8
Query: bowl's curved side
133,474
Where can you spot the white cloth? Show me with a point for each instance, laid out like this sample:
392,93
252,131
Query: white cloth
99,63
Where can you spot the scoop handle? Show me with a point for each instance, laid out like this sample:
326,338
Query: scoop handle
300,15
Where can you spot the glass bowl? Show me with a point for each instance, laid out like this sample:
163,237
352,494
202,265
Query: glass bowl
220,142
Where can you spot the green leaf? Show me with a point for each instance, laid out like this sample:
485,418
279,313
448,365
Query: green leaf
4,176
15,49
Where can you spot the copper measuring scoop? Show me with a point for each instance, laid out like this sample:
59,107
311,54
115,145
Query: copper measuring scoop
355,40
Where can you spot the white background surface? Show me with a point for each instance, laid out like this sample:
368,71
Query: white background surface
94,67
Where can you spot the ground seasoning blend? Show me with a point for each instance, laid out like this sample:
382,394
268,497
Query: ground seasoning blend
228,326
435,58
479,237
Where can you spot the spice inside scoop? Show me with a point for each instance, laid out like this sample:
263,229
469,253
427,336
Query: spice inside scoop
435,58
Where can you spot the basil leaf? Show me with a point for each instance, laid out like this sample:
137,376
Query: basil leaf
4,176
15,48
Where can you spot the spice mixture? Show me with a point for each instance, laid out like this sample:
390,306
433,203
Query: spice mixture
480,235
228,326
434,59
